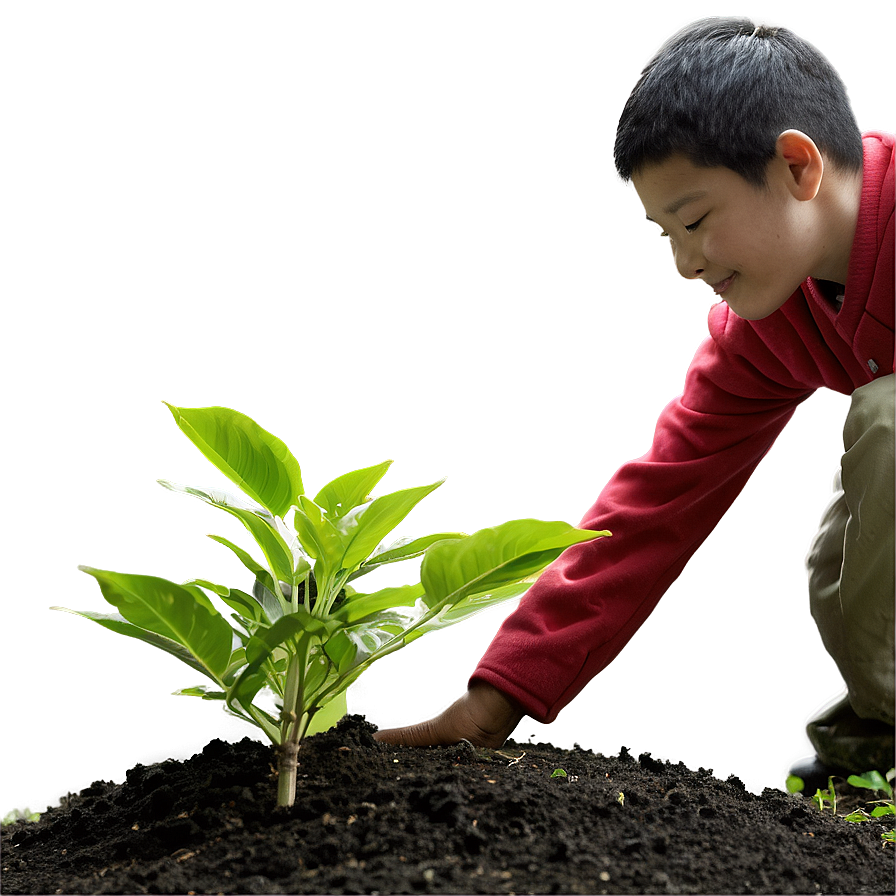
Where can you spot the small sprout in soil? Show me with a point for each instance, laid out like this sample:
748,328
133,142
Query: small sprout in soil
826,797
795,784
621,799
303,633
17,815
875,781
559,773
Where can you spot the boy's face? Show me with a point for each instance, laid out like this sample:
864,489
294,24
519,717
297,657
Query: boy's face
752,245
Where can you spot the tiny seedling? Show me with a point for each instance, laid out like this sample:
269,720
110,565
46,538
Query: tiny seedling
795,784
304,634
876,782
826,797
20,815
559,773
621,799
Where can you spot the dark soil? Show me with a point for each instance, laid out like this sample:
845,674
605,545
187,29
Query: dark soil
371,818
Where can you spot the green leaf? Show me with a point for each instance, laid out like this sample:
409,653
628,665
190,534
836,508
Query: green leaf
201,691
478,602
351,489
350,647
217,497
118,624
273,605
317,534
291,627
358,607
171,611
279,554
250,611
403,549
257,461
328,715
366,526
247,606
247,560
494,557
795,784
269,533
857,817
319,671
880,811
220,590
872,780
246,686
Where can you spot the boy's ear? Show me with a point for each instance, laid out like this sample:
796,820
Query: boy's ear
803,162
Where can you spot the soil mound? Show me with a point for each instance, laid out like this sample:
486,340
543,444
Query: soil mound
371,818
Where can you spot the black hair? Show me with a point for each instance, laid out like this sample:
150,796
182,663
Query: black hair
721,91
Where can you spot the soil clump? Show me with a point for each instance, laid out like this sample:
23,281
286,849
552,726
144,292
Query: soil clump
372,818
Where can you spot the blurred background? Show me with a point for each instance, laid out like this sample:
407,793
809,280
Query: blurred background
382,230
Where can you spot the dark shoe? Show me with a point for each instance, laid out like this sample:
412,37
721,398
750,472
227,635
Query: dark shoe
815,774
844,741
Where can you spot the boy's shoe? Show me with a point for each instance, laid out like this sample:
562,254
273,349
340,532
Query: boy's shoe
847,743
815,774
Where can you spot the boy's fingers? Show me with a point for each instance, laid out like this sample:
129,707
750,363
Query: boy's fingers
425,734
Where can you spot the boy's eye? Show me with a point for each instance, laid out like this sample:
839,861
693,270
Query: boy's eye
690,228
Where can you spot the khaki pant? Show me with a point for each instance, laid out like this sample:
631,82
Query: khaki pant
851,580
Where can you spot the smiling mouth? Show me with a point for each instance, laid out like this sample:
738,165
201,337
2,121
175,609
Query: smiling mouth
722,285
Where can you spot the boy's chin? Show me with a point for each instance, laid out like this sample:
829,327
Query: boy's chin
754,308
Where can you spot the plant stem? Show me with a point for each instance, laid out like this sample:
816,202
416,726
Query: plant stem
288,762
293,723
288,754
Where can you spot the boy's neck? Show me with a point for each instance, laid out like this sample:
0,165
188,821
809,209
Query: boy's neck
841,196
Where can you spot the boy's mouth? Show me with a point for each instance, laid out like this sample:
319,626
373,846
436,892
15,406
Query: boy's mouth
722,285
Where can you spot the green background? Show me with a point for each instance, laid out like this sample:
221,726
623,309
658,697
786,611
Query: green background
383,230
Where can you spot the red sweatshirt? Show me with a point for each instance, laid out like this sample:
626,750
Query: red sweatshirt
741,389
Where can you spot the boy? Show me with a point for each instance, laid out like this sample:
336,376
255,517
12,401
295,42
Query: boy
742,147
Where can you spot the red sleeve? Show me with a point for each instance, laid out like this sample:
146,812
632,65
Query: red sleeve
660,508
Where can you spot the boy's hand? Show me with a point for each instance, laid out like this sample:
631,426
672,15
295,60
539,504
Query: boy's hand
484,716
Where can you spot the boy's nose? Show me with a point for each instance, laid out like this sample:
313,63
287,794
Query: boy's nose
690,264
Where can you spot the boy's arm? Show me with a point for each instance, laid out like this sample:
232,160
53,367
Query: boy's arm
738,396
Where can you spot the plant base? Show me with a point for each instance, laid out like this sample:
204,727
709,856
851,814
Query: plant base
287,766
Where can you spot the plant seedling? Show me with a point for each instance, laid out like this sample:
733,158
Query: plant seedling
826,797
795,784
20,815
875,781
304,633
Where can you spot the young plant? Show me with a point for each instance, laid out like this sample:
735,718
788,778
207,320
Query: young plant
875,781
827,797
303,633
795,784
18,815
